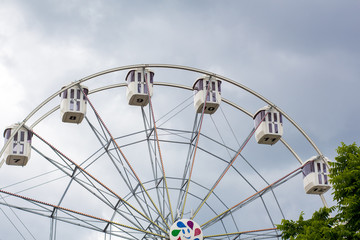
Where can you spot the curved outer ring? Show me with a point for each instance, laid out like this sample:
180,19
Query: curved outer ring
172,85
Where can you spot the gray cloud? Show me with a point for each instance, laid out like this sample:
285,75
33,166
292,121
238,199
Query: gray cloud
303,56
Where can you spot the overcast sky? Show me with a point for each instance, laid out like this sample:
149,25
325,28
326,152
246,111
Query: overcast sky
304,56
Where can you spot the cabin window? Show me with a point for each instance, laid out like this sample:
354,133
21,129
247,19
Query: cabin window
7,134
213,91
139,87
146,77
14,148
280,116
151,77
86,91
145,88
219,86
320,179
131,76
259,117
198,85
308,168
21,150
275,123
78,94
262,114
207,85
318,167
22,136
213,88
319,172
325,174
270,128
29,136
71,105
201,84
72,93
77,105
269,117
64,94
139,77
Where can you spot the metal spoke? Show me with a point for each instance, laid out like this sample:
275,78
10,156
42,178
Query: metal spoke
151,108
100,183
228,166
123,156
116,161
251,198
73,213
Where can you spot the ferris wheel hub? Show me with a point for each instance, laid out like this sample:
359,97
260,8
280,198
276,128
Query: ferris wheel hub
185,229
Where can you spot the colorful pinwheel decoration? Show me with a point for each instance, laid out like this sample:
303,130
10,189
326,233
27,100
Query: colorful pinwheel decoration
185,229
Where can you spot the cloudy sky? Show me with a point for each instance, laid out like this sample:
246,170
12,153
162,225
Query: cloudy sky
301,55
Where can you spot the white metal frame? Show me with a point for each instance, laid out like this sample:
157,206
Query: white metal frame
153,127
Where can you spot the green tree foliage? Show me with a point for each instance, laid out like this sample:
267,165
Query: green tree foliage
345,180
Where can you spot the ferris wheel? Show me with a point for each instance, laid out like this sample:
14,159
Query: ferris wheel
156,151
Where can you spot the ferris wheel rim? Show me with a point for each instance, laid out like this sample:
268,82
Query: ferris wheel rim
162,84
168,85
171,66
